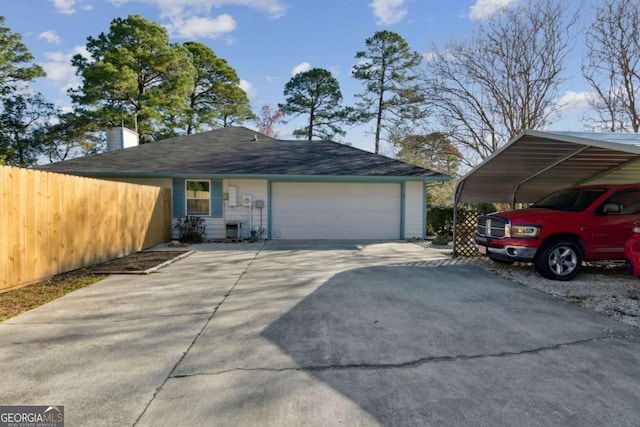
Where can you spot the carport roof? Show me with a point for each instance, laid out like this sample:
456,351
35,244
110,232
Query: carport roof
535,163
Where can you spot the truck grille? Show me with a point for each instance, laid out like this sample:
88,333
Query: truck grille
491,226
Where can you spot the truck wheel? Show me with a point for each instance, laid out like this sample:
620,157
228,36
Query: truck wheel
559,260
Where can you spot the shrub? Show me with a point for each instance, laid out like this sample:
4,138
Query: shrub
440,220
191,229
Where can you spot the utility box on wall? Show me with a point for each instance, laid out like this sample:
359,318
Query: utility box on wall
233,196
246,200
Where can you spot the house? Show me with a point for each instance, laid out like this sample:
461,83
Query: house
245,183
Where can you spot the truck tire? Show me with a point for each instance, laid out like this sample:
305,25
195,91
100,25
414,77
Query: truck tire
559,260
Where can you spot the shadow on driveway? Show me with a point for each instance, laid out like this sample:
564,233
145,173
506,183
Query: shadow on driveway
457,346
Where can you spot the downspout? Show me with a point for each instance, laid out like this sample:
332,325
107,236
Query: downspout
424,209
269,211
403,209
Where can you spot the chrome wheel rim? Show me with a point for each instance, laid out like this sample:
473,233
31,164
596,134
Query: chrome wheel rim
563,260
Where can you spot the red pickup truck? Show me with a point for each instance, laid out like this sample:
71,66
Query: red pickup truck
557,233
632,251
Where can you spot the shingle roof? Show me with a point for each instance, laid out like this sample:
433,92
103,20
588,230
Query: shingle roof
233,151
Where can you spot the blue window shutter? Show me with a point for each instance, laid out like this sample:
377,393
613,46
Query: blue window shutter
179,200
216,198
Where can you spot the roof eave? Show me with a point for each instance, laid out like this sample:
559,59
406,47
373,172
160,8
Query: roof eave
272,177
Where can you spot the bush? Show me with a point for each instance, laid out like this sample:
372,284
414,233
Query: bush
440,220
191,229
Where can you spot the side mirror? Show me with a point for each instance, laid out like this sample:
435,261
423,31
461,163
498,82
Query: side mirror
610,208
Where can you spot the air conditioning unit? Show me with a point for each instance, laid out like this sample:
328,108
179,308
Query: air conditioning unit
247,200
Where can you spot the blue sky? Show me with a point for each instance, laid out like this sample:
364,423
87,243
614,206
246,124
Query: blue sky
267,41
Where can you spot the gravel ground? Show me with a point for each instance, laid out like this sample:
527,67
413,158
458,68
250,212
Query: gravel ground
605,288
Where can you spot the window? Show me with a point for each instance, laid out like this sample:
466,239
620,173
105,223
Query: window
628,200
198,197
570,199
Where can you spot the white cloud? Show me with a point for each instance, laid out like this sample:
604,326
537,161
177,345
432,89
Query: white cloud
284,132
336,71
388,12
360,62
50,36
436,56
300,68
210,28
430,56
485,8
190,18
66,7
59,68
248,88
63,105
185,8
69,7
576,101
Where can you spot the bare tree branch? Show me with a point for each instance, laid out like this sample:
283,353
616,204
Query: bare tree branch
504,80
612,65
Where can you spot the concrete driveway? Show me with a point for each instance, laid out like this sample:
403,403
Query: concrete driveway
289,334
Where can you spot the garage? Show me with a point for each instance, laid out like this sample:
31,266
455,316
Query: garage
337,211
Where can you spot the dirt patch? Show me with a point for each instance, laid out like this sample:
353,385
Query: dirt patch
28,297
138,262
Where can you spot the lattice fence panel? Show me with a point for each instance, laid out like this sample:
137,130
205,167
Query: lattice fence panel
465,227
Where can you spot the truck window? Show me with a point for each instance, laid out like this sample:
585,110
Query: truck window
629,201
570,199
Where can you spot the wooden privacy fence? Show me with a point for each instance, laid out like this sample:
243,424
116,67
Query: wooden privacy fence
51,223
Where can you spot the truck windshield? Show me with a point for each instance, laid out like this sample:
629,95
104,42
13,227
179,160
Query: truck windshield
570,199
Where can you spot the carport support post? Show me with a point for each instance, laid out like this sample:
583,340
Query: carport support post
456,199
455,226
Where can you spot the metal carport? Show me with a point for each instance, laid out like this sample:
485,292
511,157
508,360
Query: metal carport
535,163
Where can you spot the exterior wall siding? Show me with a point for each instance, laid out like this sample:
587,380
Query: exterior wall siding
414,221
222,212
252,218
215,228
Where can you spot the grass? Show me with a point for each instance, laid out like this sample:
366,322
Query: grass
623,312
577,299
29,297
23,299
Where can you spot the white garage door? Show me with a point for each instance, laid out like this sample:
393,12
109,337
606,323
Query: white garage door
335,211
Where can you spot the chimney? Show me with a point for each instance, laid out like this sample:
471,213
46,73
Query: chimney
121,137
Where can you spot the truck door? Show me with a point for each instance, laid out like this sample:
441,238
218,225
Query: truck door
608,232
